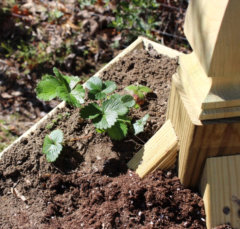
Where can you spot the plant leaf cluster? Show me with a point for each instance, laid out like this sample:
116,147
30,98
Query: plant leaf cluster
138,90
110,113
107,110
62,86
136,17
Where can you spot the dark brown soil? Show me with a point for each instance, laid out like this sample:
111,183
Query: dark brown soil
89,186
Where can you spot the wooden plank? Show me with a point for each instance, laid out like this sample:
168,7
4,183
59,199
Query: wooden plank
210,27
159,152
198,139
34,127
220,187
161,48
210,97
141,43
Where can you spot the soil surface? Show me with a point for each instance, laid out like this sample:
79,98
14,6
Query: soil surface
76,36
89,186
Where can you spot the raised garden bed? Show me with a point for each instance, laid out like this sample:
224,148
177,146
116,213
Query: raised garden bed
90,186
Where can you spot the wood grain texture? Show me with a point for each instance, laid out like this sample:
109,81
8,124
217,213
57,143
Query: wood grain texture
220,188
198,139
210,27
159,152
210,97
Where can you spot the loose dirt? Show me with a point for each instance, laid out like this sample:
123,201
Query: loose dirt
89,186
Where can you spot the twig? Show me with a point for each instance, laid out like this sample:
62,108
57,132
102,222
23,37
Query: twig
18,194
172,35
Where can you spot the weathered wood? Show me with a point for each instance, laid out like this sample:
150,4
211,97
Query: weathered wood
159,152
220,188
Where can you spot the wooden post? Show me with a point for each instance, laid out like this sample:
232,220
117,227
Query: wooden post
159,151
220,188
204,105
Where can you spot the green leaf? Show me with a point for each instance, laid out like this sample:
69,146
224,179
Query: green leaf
106,120
62,86
46,88
98,89
144,89
56,136
63,92
128,100
109,87
91,111
98,95
77,96
100,131
139,90
71,80
52,145
115,104
131,88
138,126
118,131
94,84
61,79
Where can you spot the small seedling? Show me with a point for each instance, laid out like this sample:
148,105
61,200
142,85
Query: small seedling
139,124
110,113
62,86
52,145
138,92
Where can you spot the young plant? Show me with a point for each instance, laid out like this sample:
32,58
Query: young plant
138,92
61,86
139,124
108,111
52,145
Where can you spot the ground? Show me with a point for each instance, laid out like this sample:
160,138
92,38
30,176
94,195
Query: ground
78,37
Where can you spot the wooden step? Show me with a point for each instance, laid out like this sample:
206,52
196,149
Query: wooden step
159,152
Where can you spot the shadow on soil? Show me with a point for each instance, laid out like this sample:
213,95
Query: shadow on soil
68,160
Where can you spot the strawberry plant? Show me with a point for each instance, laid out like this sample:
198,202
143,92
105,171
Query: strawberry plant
62,86
110,113
107,111
138,92
52,145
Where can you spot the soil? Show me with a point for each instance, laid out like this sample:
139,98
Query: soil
33,41
89,186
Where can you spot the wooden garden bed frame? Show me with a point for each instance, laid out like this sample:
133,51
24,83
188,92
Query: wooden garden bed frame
140,43
203,117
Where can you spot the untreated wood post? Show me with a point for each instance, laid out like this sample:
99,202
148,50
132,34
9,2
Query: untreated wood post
221,192
204,105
